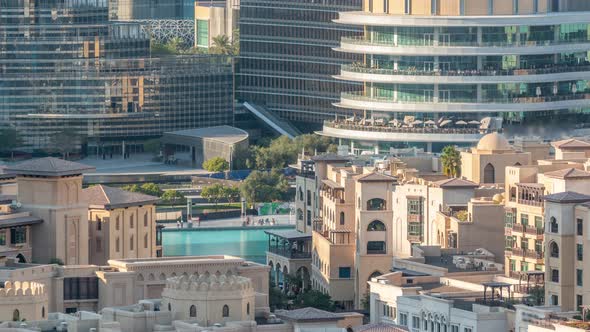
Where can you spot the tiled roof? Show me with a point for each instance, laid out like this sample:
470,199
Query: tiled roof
455,182
49,166
104,197
376,177
307,314
567,197
570,143
568,173
380,327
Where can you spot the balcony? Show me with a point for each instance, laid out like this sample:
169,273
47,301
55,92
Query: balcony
414,218
531,230
414,238
359,100
359,72
533,254
519,228
290,253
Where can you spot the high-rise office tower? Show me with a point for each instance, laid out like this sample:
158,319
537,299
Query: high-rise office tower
287,61
64,66
449,71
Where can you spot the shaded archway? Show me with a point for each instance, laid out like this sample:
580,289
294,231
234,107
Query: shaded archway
285,279
489,174
303,277
272,274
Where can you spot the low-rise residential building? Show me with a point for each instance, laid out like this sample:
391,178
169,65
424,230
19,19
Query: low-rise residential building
567,216
121,224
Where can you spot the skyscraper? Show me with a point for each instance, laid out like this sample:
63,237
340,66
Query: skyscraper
439,72
64,66
287,61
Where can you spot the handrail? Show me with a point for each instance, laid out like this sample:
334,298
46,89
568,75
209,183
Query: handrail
506,100
362,40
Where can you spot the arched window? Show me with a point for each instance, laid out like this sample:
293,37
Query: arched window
117,224
517,164
131,244
308,198
42,312
117,245
225,312
341,218
145,220
376,204
16,315
553,225
300,194
145,241
131,221
169,307
248,308
374,275
192,311
376,225
554,249
489,174
299,214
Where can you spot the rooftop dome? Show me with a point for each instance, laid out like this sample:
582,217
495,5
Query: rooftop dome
493,142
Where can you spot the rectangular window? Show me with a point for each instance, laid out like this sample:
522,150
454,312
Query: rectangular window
467,329
18,235
524,219
403,319
308,218
580,251
579,277
539,246
375,247
524,244
454,328
415,322
461,11
579,302
81,288
512,265
580,226
202,33
433,8
344,272
408,7
2,238
524,266
538,222
509,219
515,6
535,6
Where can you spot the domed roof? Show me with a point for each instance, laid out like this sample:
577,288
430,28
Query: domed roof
493,142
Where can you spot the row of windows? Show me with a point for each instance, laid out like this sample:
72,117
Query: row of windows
429,325
18,235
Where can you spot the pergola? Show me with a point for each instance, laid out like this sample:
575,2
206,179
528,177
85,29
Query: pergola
496,286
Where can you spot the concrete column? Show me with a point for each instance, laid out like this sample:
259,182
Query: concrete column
479,93
479,62
429,147
436,36
436,63
435,94
479,36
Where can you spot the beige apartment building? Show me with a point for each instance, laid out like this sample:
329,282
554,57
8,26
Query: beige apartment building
51,189
122,224
567,216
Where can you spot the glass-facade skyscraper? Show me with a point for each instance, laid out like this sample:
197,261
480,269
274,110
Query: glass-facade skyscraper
287,61
440,72
64,65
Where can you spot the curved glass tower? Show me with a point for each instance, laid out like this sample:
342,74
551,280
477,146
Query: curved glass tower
449,71
63,65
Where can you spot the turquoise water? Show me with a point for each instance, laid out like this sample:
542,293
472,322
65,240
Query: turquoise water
249,243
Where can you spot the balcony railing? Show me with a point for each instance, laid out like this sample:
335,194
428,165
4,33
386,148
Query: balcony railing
416,130
533,254
503,100
462,73
290,253
518,228
362,40
534,230
414,238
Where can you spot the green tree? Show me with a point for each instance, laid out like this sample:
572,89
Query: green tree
312,143
451,161
132,187
315,299
151,189
10,139
66,142
276,298
264,187
213,193
222,45
152,146
172,196
231,194
216,164
243,157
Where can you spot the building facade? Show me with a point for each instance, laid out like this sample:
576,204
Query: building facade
287,60
482,65
102,88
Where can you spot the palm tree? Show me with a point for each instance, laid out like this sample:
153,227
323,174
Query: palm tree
451,161
222,45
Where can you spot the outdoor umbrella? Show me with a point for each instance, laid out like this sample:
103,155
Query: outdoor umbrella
461,123
445,122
